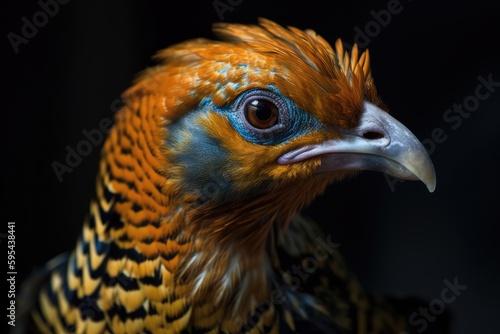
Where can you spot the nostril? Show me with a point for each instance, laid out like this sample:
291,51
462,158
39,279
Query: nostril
373,135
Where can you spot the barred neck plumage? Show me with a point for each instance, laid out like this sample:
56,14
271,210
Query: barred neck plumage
136,258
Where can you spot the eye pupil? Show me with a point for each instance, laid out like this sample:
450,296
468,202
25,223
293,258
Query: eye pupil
261,113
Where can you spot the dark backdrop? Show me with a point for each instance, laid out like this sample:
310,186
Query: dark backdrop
67,76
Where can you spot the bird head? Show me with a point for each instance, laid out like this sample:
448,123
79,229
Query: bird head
254,126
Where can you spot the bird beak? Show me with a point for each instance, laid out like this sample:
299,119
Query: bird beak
378,143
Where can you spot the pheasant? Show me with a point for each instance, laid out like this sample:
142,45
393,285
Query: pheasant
196,227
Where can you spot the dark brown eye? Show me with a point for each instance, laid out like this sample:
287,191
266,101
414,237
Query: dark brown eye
261,113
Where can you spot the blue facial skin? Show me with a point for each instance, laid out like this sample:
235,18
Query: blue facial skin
205,162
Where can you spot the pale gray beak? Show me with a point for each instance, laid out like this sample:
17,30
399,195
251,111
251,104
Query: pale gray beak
378,143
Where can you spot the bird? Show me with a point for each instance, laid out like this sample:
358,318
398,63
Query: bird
195,226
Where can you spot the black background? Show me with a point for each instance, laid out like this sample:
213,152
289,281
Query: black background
399,240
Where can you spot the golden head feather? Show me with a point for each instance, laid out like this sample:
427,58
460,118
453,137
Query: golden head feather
329,83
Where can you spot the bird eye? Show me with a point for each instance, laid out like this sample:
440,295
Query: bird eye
261,116
261,113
